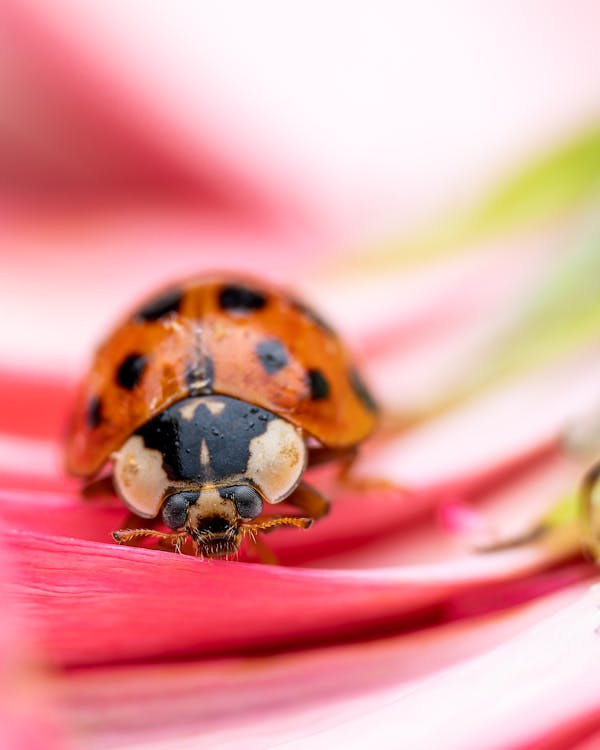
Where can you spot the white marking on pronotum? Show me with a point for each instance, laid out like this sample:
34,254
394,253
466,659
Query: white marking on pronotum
277,460
188,409
139,477
214,407
204,454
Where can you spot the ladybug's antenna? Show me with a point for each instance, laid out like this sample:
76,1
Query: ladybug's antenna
126,536
268,524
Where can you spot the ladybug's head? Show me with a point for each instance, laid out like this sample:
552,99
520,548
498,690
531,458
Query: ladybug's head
209,463
214,516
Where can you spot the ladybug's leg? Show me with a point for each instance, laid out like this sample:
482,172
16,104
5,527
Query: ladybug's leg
304,497
323,455
309,501
100,487
267,524
262,551
589,516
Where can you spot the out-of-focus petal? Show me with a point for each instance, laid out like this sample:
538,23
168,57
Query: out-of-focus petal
29,719
494,430
332,115
78,138
278,697
539,689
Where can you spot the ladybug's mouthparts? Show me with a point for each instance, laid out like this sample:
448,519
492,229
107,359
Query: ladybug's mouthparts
217,548
216,545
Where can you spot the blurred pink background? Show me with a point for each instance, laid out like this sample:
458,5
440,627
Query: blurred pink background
141,141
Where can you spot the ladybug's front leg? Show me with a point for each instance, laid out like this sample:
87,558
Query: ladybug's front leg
305,498
261,550
309,501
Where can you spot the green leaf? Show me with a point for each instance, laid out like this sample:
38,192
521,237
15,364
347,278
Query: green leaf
549,187
560,315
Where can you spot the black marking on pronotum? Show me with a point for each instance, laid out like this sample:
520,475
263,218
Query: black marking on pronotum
227,434
158,307
131,370
313,316
319,385
361,391
199,377
241,299
272,354
94,412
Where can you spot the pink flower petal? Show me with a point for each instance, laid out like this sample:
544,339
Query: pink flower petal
34,404
81,135
590,741
511,511
539,689
415,310
491,433
274,698
28,716
92,602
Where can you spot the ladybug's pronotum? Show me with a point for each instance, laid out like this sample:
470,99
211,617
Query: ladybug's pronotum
212,398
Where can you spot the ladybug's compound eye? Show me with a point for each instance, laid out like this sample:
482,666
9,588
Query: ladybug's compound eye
174,512
247,501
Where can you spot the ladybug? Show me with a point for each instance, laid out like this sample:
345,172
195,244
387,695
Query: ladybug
210,400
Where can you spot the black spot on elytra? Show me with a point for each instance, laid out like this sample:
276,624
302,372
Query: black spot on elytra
313,316
94,412
272,354
164,304
319,385
361,391
227,437
131,370
199,377
241,299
